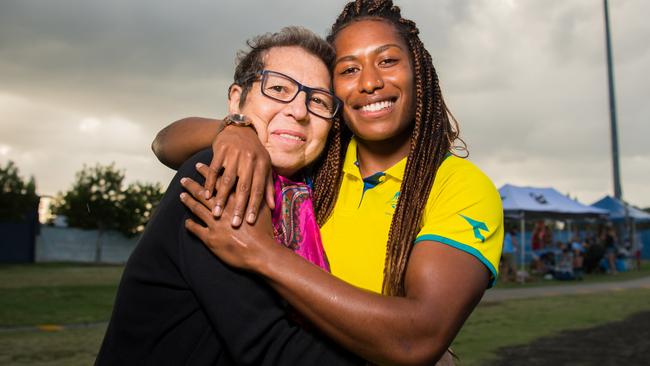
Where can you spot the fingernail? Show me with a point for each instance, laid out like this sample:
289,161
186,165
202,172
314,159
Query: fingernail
207,194
198,165
183,180
183,195
236,221
251,218
216,211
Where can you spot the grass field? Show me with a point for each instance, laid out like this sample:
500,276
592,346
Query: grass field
495,325
71,293
56,293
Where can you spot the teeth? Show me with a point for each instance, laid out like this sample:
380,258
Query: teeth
292,137
374,107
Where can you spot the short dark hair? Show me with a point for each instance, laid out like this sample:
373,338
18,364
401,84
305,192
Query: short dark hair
251,62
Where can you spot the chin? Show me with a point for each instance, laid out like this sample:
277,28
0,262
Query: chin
286,167
375,134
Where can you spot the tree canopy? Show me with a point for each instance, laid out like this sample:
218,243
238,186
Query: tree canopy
99,199
17,195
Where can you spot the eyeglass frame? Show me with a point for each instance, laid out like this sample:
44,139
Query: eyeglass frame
308,91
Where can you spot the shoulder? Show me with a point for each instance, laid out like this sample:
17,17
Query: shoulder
188,168
464,211
458,180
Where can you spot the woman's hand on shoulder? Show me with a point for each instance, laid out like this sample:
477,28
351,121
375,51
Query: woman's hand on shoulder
241,166
242,247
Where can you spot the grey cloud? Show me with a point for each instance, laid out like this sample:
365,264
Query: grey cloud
526,80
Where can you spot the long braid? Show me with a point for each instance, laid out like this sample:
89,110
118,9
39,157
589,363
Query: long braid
328,173
432,138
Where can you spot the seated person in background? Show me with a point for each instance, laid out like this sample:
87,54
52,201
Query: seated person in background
578,249
177,304
564,269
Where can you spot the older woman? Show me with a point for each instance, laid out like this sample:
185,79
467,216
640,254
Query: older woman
179,305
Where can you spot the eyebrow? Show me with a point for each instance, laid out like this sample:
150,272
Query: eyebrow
377,50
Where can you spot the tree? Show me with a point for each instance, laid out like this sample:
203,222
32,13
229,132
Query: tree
137,206
17,196
98,200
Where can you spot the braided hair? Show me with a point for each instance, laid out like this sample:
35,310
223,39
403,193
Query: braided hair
434,133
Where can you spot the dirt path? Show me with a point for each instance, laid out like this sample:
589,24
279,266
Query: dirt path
620,343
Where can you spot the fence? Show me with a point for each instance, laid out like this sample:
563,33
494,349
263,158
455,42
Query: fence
62,244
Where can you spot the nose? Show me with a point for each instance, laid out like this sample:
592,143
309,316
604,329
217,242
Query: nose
370,80
297,108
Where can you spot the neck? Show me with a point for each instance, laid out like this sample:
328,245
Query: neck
378,156
292,174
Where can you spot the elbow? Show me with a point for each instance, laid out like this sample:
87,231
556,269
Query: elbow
158,150
429,356
419,352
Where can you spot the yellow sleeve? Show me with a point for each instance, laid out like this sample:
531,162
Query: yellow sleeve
464,211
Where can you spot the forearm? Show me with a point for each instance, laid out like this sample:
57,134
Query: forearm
180,140
379,328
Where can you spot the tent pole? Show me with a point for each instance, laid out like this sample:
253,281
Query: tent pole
635,244
522,242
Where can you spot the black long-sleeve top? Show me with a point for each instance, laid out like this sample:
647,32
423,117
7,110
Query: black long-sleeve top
178,304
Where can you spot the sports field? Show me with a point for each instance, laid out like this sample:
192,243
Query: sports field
55,314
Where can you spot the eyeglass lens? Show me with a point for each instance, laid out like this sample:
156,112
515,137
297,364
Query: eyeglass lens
284,89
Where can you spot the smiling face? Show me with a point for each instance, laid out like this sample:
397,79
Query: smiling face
374,77
293,136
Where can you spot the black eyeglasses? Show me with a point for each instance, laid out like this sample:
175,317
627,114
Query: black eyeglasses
283,88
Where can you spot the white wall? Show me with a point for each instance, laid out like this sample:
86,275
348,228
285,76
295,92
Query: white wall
62,244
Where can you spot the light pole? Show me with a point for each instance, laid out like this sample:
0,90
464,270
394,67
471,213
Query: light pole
618,193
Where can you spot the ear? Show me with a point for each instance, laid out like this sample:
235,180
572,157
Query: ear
234,97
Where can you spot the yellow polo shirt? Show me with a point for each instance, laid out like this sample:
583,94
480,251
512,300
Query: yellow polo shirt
463,211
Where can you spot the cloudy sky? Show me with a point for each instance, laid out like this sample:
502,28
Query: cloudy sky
93,81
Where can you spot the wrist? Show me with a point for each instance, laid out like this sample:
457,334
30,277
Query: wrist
238,120
237,129
221,125
269,259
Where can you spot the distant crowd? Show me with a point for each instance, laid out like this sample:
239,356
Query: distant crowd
590,251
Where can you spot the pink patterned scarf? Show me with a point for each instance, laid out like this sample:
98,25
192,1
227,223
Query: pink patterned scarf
294,221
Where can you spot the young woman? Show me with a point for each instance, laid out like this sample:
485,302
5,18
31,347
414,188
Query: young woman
413,233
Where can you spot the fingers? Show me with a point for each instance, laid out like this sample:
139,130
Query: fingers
210,174
270,191
242,195
200,231
224,187
197,191
197,208
204,170
257,194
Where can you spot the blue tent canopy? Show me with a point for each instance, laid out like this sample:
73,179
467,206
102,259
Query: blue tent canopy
616,210
547,202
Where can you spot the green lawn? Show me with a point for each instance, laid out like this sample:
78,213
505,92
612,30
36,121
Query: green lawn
514,322
54,293
71,347
71,293
58,274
